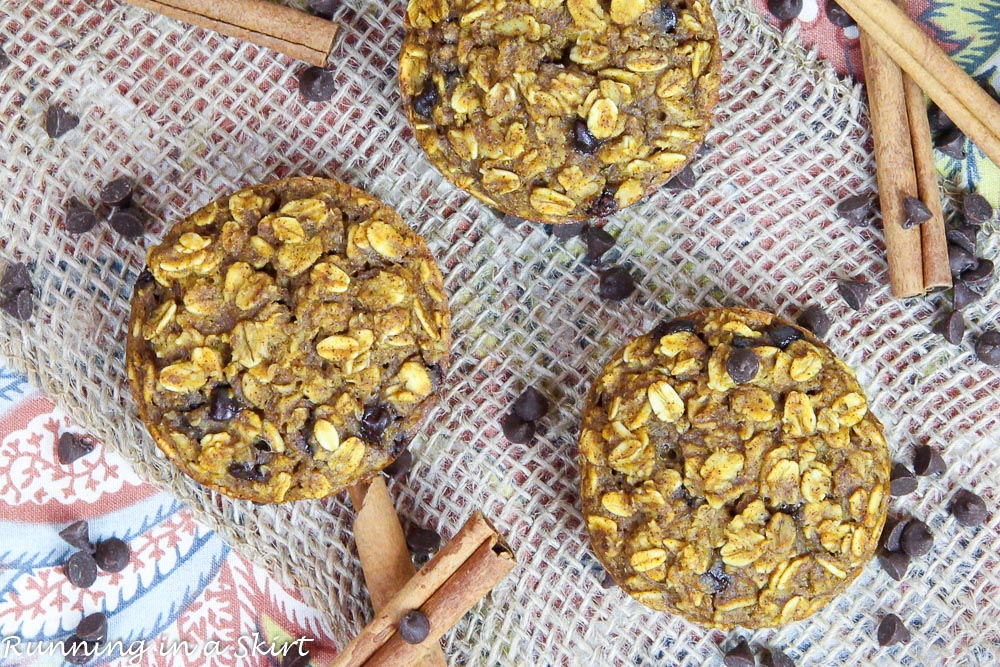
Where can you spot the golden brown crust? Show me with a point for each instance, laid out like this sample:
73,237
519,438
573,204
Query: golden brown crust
730,503
285,341
499,92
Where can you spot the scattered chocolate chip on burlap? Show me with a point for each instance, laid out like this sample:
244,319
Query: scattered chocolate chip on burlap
855,208
739,656
928,461
988,347
968,508
317,84
617,284
855,292
59,120
772,657
951,327
80,218
892,631
902,482
916,539
422,540
815,319
894,563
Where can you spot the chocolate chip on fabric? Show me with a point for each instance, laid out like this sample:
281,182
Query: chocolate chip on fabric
317,84
400,466
815,319
324,8
79,217
772,657
855,208
742,365
952,327
938,120
902,482
19,306
743,341
682,180
916,539
665,17
78,652
422,541
784,10
960,259
77,534
607,581
4,60
568,230
928,461
740,655
59,121
968,508
892,631
892,533
980,277
894,563
952,143
71,447
81,569
16,277
93,628
112,555
249,471
988,348
297,655
517,430
414,626
598,243
915,212
617,284
838,16
604,205
531,405
963,295
855,292
222,405
118,192
426,99
976,209
964,236
127,222
375,419
783,335
584,140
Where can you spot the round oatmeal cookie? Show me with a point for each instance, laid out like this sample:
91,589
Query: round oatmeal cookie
560,110
731,471
285,341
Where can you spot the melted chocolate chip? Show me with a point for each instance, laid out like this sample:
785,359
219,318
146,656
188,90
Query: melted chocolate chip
742,365
783,335
604,205
374,421
426,100
671,326
584,140
222,405
248,471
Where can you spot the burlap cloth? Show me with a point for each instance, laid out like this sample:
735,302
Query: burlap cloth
193,116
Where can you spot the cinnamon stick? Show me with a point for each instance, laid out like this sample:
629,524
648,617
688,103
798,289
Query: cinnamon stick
289,31
382,550
895,169
465,569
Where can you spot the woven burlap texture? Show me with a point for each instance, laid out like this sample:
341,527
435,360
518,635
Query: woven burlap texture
192,116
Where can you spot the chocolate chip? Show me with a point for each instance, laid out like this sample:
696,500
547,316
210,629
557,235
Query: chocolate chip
584,140
422,541
682,180
77,534
144,278
855,292
988,348
739,656
742,365
79,217
963,295
928,461
894,563
512,221
374,421
952,327
400,466
665,17
112,555
964,236
976,209
517,430
222,405
598,243
784,10
772,657
960,260
915,212
604,205
838,16
59,121
952,143
980,277
249,471
568,230
16,277
743,341
901,481
81,569
93,628
891,631
938,120
855,208
892,533
78,652
414,626
20,306
783,335
815,319
127,222
296,656
4,60
716,579
71,447
118,192
670,327
607,581
616,284
324,8
968,508
531,405
317,84
426,100
916,539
